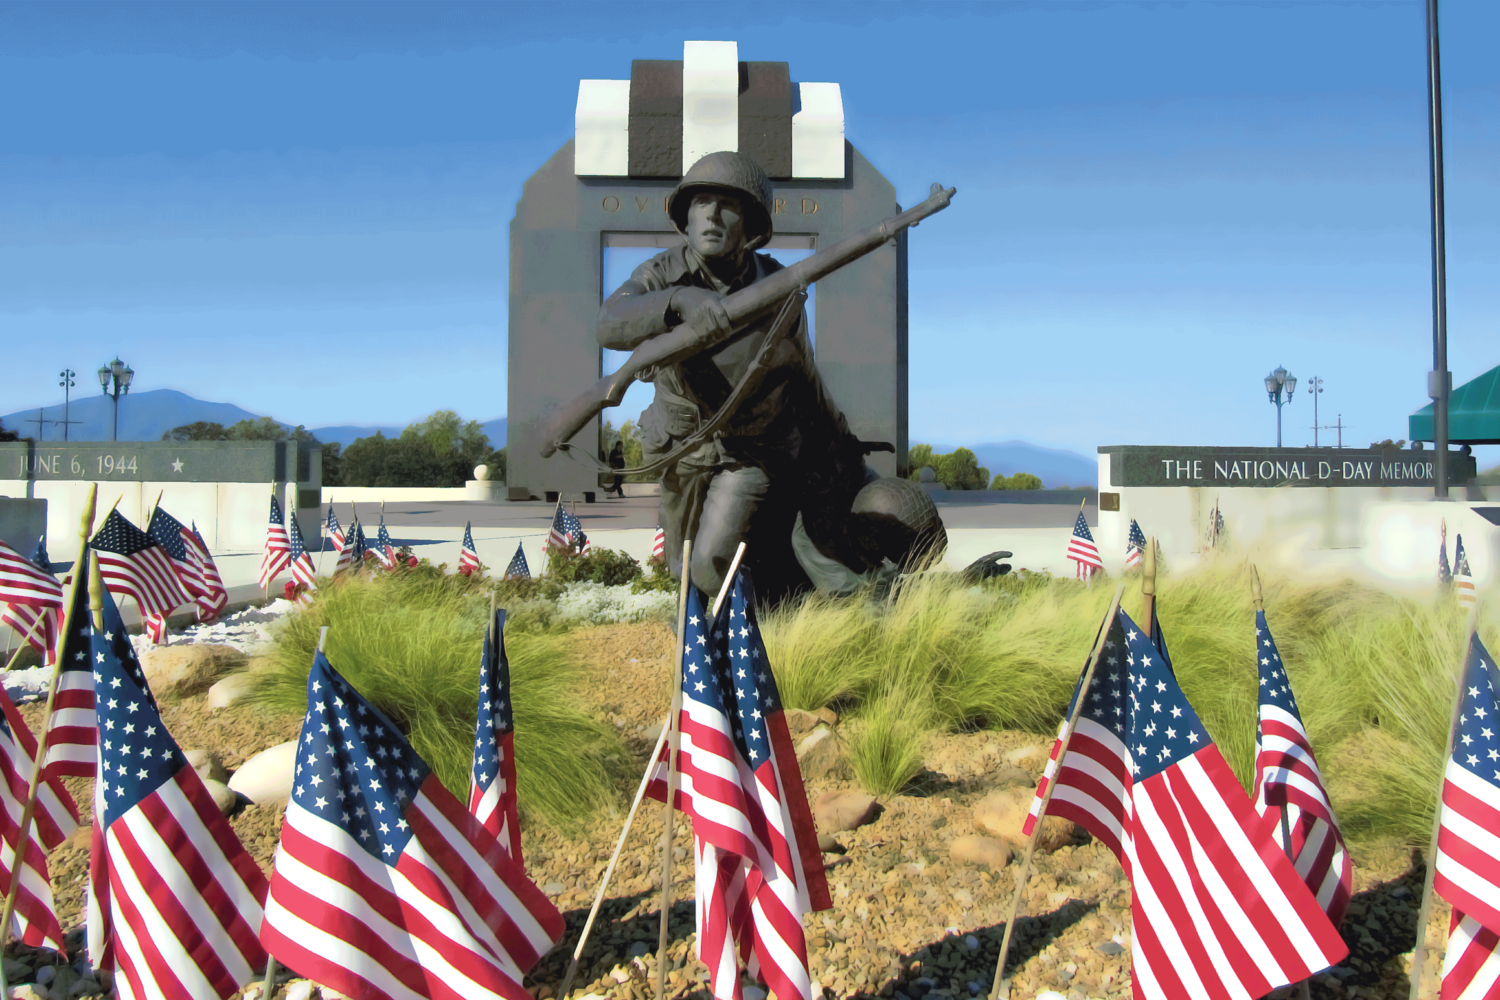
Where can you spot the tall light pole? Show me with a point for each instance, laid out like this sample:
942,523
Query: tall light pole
1277,382
1315,386
67,383
1440,379
116,374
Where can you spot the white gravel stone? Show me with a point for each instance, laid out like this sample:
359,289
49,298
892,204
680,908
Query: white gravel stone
267,777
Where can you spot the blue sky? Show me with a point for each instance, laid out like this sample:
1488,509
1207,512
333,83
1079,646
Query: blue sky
304,209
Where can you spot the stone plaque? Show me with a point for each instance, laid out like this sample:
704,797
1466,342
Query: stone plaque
1270,467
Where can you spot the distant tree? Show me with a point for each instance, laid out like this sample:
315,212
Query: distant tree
441,450
333,464
1019,481
918,456
6,435
1388,443
199,430
961,471
635,453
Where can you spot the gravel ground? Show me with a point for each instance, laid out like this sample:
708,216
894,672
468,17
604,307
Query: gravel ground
907,921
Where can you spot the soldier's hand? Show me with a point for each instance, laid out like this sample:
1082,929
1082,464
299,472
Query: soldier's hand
703,311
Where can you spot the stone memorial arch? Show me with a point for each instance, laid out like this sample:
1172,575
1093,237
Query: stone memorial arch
606,188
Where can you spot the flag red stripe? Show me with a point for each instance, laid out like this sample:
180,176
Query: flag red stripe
803,828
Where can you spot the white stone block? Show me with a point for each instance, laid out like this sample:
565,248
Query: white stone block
267,776
601,129
710,99
818,132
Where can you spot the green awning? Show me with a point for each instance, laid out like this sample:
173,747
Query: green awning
1473,413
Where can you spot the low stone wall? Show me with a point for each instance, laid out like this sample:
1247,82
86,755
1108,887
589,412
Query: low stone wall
22,522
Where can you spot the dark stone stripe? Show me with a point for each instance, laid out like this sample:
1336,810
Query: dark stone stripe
656,118
766,116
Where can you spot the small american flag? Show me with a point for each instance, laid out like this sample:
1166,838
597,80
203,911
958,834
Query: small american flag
191,562
361,546
301,563
566,533
348,559
331,528
468,556
1218,911
384,886
1287,779
29,593
492,779
1083,551
385,549
759,869
1135,545
1463,580
174,899
34,920
1468,858
659,544
278,552
518,570
72,729
1445,575
134,564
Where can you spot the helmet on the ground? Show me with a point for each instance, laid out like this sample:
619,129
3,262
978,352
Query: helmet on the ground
730,173
905,519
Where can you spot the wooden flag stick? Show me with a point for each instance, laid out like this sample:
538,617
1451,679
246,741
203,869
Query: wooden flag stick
24,640
1255,591
674,727
734,567
86,528
1148,586
1419,953
1062,751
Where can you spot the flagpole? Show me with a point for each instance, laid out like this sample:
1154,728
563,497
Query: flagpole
324,543
86,528
674,727
24,640
1148,586
1062,751
1419,953
269,983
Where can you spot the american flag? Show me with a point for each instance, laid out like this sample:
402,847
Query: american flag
136,565
72,730
1445,575
758,865
360,545
334,532
30,593
278,552
518,570
1083,551
301,562
384,886
659,543
191,562
34,920
492,780
174,899
1463,580
1287,780
1215,527
385,549
348,558
1468,854
469,556
566,533
1135,546
1218,911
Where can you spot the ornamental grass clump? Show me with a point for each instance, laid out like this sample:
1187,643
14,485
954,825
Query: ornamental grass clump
410,644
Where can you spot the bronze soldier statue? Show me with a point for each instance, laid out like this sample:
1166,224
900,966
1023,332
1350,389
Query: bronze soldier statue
781,471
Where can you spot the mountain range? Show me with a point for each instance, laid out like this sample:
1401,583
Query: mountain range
146,416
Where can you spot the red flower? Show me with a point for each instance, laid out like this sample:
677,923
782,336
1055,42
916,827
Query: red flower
290,590
411,561
465,569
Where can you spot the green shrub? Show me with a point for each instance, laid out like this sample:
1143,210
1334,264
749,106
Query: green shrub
1020,481
886,748
410,642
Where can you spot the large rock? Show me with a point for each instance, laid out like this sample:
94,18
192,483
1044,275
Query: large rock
228,690
820,754
1003,813
267,777
799,722
222,796
207,763
189,668
836,812
976,850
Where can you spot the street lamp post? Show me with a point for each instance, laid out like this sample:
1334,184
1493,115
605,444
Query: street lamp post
67,384
1315,386
1277,382
116,374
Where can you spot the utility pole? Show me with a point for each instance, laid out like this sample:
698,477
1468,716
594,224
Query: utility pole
1439,380
40,423
1315,386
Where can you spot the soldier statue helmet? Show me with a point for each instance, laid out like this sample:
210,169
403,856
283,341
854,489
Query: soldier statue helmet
728,173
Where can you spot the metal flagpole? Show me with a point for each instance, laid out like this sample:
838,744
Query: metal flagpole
96,585
1419,953
1439,380
1148,587
1062,751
